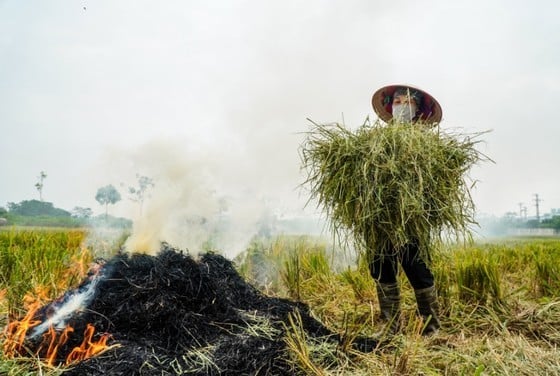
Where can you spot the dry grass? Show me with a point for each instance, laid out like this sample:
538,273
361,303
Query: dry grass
384,185
505,326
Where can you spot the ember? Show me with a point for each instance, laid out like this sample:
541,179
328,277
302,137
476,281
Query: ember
172,314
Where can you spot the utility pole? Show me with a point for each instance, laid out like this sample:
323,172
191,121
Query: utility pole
522,211
537,202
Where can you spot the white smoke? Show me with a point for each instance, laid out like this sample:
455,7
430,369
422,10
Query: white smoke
202,198
76,301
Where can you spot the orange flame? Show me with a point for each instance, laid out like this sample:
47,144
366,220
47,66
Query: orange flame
80,264
16,331
54,345
40,295
89,347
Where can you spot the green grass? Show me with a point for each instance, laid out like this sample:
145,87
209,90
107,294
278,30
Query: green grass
42,262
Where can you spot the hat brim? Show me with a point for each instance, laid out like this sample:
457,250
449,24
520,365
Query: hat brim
382,101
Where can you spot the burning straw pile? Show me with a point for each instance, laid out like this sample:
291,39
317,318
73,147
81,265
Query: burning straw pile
172,314
386,185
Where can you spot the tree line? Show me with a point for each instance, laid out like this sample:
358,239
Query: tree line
43,213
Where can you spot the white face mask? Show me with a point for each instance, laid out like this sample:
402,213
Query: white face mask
404,112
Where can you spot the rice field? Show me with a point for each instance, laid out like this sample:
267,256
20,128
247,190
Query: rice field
500,302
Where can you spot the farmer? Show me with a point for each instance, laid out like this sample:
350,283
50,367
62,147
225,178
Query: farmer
411,105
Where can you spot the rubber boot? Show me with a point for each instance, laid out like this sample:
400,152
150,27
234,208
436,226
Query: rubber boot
428,308
389,298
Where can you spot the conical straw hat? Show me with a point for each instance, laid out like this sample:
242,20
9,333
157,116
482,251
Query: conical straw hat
429,109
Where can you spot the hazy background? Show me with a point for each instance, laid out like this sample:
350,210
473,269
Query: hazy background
210,98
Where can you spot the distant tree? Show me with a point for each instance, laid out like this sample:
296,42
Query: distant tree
39,184
107,195
532,223
79,212
140,193
553,222
32,208
3,210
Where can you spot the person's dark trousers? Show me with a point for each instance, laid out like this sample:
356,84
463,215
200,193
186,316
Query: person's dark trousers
384,267
384,270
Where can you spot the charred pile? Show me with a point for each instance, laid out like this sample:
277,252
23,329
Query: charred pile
172,314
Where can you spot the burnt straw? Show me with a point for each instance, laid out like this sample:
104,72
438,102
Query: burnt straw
174,314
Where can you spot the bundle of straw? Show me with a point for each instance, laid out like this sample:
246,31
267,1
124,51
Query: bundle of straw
384,186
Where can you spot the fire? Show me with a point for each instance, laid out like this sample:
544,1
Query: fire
54,345
89,347
80,264
44,332
16,332
40,295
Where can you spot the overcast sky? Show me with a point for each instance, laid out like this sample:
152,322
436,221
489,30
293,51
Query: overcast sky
216,93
